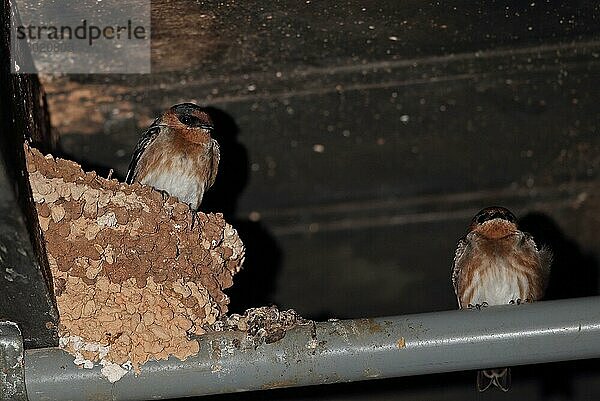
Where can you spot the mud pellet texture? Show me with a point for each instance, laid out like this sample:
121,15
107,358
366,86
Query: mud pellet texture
135,271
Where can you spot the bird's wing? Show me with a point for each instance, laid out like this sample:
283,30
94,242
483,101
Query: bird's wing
461,248
216,156
544,255
145,140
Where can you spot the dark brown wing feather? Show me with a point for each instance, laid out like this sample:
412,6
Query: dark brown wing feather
544,255
145,140
461,249
216,156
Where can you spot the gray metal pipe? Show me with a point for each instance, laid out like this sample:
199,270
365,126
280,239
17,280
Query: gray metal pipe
341,351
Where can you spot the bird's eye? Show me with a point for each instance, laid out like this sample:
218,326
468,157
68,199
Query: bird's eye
189,120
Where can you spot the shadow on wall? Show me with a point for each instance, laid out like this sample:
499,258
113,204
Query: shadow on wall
255,284
101,169
573,274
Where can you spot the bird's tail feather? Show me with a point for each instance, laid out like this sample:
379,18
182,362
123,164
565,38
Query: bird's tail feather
497,377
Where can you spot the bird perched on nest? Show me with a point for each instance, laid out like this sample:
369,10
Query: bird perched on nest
497,264
177,154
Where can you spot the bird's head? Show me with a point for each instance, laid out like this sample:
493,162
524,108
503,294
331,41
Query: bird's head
494,222
190,121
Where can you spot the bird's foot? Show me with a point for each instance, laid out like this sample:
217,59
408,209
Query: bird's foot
478,306
519,301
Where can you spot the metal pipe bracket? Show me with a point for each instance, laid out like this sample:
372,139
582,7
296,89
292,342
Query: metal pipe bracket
12,368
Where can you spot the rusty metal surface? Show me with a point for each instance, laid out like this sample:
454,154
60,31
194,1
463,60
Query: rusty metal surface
12,379
340,351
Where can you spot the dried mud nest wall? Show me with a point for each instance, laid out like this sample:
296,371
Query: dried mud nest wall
135,272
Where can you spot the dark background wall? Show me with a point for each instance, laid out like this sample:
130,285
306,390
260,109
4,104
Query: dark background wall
358,139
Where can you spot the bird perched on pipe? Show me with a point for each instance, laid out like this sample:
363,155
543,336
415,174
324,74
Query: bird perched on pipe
497,264
177,154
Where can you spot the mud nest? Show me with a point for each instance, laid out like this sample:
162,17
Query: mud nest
135,272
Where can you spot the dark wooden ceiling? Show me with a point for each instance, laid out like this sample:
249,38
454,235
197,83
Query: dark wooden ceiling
362,132
359,137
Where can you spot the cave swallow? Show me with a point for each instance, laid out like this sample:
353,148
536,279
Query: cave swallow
177,154
497,264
